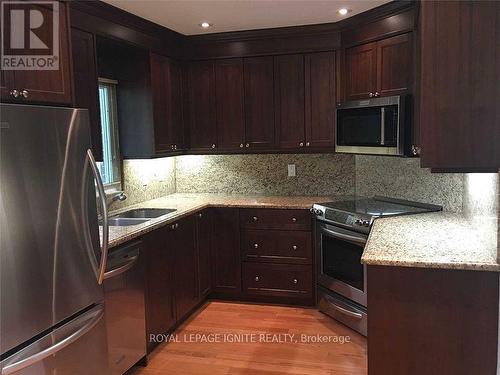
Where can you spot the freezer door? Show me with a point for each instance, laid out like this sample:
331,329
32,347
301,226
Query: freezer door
77,348
49,236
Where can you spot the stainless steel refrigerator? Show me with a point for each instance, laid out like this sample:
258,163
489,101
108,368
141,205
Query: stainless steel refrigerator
51,261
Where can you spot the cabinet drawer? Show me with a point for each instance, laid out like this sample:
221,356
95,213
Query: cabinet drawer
280,280
278,246
261,218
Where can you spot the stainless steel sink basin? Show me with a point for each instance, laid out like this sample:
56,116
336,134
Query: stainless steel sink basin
124,221
138,216
145,213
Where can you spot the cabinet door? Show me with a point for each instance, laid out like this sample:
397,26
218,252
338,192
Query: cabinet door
394,65
320,99
176,105
160,310
166,87
202,127
226,267
186,265
204,228
85,84
289,94
259,102
361,71
229,98
49,86
460,90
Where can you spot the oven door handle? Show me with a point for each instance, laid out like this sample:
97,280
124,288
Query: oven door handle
344,236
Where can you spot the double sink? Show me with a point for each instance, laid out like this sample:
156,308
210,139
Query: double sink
138,216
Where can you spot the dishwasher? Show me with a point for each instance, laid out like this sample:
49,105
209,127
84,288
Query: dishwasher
125,307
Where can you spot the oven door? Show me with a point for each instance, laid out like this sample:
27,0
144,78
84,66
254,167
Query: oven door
339,267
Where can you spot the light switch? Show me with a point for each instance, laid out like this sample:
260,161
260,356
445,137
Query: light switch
291,170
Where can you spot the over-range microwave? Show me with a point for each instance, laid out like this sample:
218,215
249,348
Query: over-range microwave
372,126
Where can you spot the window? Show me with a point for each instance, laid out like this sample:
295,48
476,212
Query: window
110,167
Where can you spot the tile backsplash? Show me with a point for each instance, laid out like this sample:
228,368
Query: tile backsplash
403,178
146,179
316,174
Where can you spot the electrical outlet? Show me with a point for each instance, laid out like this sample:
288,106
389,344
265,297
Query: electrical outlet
291,170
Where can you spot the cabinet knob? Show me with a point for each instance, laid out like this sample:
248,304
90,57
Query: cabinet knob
247,145
371,95
377,93
213,145
15,93
25,93
256,245
241,145
308,144
294,220
200,214
255,218
415,150
176,225
295,281
172,226
294,247
257,278
301,144
175,147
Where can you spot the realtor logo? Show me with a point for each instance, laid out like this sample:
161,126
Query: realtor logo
30,35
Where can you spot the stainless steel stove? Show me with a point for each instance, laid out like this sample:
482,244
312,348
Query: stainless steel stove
342,229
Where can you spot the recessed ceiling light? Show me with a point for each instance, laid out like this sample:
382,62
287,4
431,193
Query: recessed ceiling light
344,11
205,25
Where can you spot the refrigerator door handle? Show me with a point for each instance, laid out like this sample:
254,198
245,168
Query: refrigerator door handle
105,224
87,321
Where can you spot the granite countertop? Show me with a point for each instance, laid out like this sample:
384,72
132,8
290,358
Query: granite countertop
187,204
434,240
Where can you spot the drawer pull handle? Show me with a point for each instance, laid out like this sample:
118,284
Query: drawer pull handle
294,247
294,220
255,218
295,281
256,245
256,278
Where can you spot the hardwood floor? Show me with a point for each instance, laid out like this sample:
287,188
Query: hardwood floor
258,355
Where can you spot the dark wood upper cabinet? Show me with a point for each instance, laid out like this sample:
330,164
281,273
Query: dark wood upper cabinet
381,68
43,86
160,308
394,67
289,99
166,89
85,84
226,266
459,85
259,102
202,110
230,106
320,99
203,233
186,265
361,71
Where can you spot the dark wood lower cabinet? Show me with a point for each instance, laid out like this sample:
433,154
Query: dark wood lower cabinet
226,265
160,308
186,262
424,321
203,231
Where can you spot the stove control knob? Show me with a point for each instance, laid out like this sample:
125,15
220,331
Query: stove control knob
366,223
358,222
316,211
362,223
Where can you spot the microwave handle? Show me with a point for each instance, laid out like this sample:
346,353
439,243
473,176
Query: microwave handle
382,126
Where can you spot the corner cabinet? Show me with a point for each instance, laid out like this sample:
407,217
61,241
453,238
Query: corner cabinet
381,68
43,86
459,85
202,110
166,90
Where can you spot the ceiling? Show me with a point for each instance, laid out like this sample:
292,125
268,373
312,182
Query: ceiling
185,16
